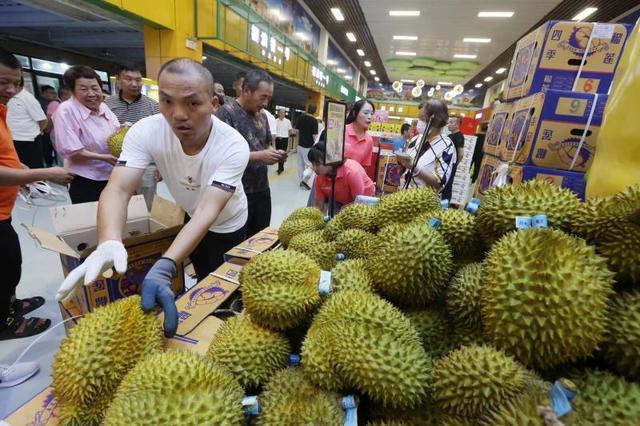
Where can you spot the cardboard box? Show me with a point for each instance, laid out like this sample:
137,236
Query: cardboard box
259,243
550,57
147,235
498,126
389,171
574,181
489,170
199,339
205,297
547,129
41,410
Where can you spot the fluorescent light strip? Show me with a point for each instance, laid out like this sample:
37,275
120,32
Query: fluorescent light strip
367,63
465,56
337,13
476,40
495,14
408,81
585,14
488,79
445,83
360,52
332,62
500,70
479,85
373,72
376,78
351,37
404,13
410,38
403,53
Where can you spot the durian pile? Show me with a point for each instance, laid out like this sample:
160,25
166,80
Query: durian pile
428,316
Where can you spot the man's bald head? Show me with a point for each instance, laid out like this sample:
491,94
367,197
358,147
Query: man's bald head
186,66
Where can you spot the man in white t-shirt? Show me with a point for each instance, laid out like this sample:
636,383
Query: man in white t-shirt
283,126
202,161
27,120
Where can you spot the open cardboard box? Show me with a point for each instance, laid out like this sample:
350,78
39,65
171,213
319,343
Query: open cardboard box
41,410
258,244
147,235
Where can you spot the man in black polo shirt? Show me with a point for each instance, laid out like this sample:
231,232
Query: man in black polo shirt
307,132
457,138
131,106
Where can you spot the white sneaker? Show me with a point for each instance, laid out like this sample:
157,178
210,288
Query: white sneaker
17,373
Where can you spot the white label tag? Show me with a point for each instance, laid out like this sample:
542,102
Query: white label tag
324,284
603,31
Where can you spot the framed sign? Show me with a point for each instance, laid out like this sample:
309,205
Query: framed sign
335,117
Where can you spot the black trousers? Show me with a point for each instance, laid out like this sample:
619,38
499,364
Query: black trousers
209,254
259,212
83,190
283,144
30,153
48,152
447,192
11,267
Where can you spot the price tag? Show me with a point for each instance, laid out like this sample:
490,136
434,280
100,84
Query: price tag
523,222
435,223
539,221
324,285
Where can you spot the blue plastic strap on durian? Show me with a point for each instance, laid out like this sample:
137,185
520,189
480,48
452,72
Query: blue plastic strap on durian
364,199
561,398
250,406
473,206
327,218
435,223
539,221
340,257
294,360
324,284
444,204
523,222
350,407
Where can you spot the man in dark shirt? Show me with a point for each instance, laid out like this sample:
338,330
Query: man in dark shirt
245,115
307,132
478,152
457,138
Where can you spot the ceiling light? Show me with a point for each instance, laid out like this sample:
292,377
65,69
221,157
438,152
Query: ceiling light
500,70
351,37
332,62
373,72
476,40
376,78
348,77
584,14
410,38
403,53
479,85
445,83
341,70
495,14
465,56
408,81
367,63
204,58
488,79
337,13
404,13
360,52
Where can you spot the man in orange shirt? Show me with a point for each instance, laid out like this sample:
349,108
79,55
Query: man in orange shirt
13,324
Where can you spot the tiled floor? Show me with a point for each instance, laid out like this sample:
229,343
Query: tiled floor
42,274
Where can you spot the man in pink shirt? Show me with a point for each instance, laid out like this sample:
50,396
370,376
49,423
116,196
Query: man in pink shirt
358,144
82,126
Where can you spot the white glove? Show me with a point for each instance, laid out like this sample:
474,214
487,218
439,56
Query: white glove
108,254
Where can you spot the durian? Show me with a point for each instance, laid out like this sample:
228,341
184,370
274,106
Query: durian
115,141
621,344
314,245
355,243
353,216
405,206
459,230
433,327
544,297
464,296
523,409
605,399
96,355
423,416
291,228
351,274
474,379
252,353
177,388
310,213
289,399
412,266
501,205
280,288
370,346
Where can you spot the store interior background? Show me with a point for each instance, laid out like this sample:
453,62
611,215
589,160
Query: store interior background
50,35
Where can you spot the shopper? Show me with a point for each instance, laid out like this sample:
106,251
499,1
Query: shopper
307,135
245,115
435,157
478,152
350,177
238,82
400,143
27,122
358,144
202,161
13,323
130,106
283,127
49,95
63,95
457,138
82,126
